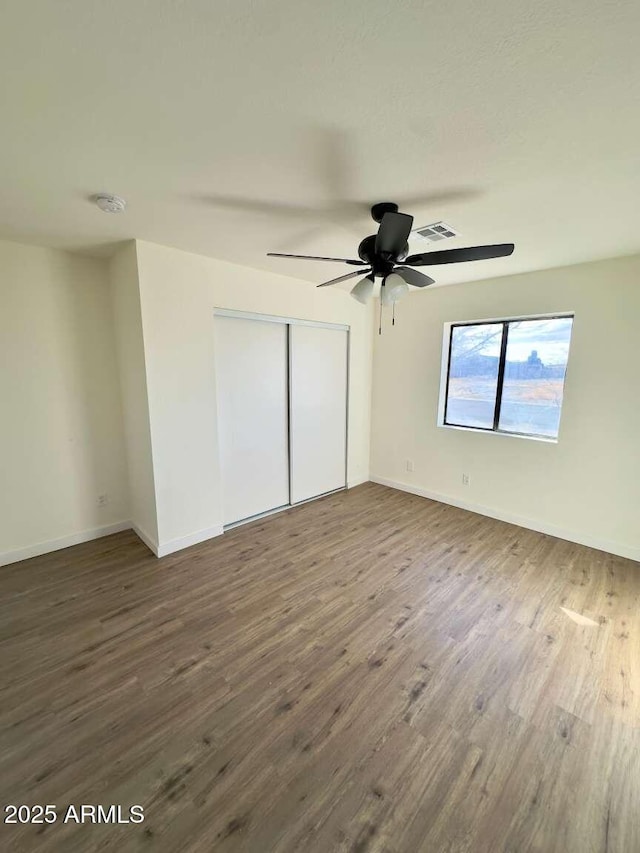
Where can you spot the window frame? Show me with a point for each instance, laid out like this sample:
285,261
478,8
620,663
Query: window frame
506,323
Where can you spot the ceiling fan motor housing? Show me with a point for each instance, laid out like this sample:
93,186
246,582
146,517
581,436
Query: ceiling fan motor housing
381,265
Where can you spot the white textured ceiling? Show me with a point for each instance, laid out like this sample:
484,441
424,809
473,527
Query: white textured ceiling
512,120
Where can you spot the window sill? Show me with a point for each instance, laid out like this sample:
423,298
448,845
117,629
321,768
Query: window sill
478,430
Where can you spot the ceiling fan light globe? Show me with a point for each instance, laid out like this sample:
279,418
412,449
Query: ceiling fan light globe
394,288
363,290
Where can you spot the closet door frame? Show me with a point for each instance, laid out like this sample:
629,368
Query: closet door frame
291,321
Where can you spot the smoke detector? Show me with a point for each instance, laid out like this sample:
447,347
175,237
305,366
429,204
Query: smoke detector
435,232
110,203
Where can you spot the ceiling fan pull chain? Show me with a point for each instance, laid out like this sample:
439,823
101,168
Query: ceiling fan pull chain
393,314
380,324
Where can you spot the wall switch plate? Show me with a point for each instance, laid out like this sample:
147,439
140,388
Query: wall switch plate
409,464
465,479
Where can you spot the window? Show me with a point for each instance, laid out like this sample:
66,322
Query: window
508,375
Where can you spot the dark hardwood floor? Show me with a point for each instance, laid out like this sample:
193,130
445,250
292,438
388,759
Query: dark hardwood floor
368,672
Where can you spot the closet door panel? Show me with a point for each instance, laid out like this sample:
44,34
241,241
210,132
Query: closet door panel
251,376
318,362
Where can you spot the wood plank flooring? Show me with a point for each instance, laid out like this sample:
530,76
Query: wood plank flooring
372,672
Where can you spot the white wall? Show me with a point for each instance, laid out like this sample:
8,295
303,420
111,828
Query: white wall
61,425
60,417
125,293
585,488
179,292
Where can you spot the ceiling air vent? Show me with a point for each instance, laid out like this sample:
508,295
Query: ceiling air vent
435,232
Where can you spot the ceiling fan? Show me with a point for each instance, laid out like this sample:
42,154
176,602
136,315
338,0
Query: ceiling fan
385,255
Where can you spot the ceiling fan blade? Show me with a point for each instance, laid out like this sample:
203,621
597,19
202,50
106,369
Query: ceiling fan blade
330,147
446,195
393,233
268,208
316,258
456,256
413,277
357,274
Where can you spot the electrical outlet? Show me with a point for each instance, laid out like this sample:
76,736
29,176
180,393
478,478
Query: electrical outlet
465,480
409,464
102,500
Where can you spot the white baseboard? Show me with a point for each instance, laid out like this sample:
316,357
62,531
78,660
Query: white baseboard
63,542
151,543
357,482
173,545
611,547
98,532
160,550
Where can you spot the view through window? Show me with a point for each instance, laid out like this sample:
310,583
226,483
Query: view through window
508,375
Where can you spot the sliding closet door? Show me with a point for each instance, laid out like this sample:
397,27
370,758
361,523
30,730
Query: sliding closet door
251,376
318,421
